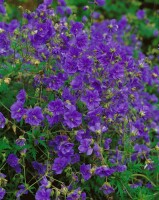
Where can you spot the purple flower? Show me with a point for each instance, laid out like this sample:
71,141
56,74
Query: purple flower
156,33
22,190
66,149
54,82
107,143
13,161
120,168
81,134
85,171
43,194
149,185
74,52
85,8
4,44
76,27
44,182
77,83
112,27
2,193
91,99
73,118
100,2
62,2
123,22
85,64
2,9
140,14
116,157
84,19
20,141
56,107
95,15
96,84
17,110
34,116
59,164
70,65
117,72
81,40
85,146
2,175
74,195
136,185
39,167
53,119
97,150
42,32
48,2
2,120
141,148
57,140
68,11
155,74
95,116
103,171
75,158
83,196
97,127
107,189
21,96
68,96
14,24
60,10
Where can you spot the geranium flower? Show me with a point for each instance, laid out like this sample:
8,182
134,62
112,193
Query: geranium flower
73,118
85,171
59,164
17,110
34,116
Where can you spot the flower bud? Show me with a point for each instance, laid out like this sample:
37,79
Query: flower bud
7,80
2,30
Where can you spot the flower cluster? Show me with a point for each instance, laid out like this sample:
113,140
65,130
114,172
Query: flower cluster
84,110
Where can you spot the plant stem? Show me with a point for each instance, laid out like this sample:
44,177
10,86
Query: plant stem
145,178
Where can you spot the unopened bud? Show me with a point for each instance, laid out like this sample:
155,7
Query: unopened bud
7,80
154,75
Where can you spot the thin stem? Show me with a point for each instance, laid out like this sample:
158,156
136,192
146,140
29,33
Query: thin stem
24,170
4,106
32,185
145,178
127,191
17,127
3,166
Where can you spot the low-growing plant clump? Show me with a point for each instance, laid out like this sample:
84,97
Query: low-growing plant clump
76,120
